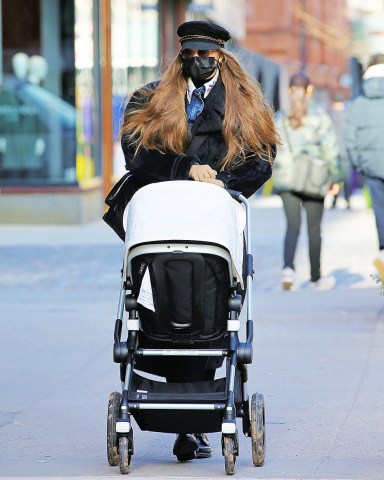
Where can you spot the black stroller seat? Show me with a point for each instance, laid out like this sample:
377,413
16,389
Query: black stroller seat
190,293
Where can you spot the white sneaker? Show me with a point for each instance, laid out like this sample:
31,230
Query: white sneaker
379,264
287,278
324,283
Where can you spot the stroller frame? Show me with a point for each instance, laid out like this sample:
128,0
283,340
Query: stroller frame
238,355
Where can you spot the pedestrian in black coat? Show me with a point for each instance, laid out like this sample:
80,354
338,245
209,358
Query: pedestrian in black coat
231,117
205,121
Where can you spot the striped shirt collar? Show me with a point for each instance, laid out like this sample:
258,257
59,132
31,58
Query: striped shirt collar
208,86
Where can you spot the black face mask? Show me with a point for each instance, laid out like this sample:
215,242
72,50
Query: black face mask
199,68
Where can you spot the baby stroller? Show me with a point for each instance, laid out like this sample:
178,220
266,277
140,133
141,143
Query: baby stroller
183,275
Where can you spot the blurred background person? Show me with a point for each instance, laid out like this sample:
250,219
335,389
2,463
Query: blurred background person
306,128
364,139
348,176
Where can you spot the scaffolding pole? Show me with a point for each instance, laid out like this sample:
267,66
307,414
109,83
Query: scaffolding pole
106,94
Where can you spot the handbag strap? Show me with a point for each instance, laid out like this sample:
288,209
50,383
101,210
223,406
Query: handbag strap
195,144
286,134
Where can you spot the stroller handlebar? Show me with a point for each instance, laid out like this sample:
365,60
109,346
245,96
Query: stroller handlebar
235,194
241,199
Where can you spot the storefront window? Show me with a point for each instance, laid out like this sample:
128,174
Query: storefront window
49,100
135,58
37,110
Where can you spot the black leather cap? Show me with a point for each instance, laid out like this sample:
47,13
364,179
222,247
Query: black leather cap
199,35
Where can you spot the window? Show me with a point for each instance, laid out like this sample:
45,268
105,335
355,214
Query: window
37,107
135,58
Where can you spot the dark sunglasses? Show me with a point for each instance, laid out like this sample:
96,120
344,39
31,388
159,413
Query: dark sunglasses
188,53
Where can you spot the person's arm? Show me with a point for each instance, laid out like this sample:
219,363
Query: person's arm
151,166
249,177
350,136
329,145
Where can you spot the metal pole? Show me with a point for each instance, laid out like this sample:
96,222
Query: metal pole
1,43
303,38
106,94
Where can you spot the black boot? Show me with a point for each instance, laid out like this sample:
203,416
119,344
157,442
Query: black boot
204,450
185,447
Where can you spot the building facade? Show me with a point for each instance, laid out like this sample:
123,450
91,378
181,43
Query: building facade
67,68
310,35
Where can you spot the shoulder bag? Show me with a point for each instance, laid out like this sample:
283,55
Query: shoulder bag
310,174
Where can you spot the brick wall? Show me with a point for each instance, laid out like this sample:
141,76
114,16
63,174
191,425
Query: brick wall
297,33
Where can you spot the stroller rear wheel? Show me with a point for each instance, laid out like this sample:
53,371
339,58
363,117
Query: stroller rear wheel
229,452
258,429
125,457
112,439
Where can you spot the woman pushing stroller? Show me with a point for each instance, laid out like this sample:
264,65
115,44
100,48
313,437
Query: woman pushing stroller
204,121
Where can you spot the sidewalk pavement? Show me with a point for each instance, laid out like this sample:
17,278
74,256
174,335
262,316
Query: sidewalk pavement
349,242
317,356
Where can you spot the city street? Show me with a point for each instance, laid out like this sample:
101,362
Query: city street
318,356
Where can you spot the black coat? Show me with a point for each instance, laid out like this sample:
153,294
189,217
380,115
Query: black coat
151,166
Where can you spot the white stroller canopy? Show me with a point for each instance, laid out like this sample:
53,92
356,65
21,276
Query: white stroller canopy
189,211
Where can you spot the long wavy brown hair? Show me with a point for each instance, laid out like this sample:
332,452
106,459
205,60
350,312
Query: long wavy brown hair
161,123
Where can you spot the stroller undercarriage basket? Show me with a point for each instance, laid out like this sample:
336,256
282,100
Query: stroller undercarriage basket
210,393
183,299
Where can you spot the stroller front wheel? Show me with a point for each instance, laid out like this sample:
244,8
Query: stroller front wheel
112,440
229,452
125,458
258,429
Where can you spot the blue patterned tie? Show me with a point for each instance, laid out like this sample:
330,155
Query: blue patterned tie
196,105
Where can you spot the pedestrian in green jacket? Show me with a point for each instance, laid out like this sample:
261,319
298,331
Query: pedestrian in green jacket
306,128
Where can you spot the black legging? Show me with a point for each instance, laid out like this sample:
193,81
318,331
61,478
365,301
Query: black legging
314,208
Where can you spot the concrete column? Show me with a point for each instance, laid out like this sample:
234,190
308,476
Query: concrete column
50,44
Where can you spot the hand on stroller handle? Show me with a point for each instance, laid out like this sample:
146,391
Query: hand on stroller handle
204,173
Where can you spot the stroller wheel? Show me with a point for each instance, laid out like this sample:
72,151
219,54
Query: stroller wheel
258,429
125,458
229,454
112,439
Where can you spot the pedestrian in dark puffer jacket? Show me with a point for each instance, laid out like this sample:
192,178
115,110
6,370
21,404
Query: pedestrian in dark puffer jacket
364,139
